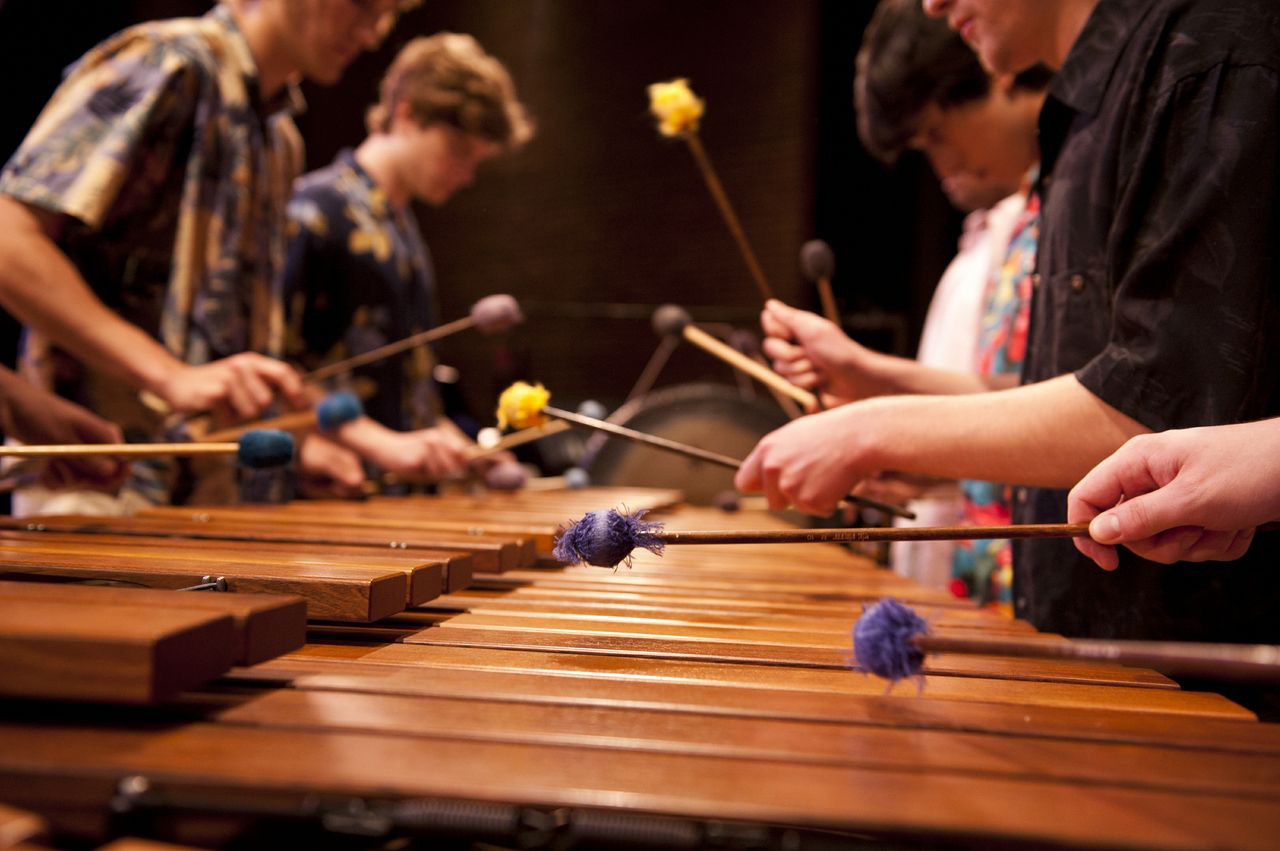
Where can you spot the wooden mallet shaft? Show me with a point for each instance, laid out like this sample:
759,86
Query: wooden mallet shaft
121,450
518,438
392,348
1246,662
694,452
726,211
926,533
738,360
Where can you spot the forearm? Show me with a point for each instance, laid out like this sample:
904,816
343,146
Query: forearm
40,286
1048,434
907,376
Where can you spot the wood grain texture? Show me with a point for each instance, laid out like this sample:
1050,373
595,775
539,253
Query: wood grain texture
266,625
116,654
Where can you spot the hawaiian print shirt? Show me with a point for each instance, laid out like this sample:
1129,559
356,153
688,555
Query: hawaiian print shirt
984,569
172,175
359,276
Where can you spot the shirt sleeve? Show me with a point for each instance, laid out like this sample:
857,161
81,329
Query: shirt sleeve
125,100
1193,268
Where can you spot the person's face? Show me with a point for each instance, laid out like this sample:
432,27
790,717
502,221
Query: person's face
980,150
327,35
1007,35
439,159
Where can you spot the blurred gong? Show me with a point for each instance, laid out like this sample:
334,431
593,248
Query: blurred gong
718,417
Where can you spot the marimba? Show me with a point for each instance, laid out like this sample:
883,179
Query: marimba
456,684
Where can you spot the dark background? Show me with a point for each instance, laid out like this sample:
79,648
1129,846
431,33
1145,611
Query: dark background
599,220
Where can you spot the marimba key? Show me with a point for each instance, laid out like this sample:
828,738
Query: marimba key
115,654
340,592
265,625
457,564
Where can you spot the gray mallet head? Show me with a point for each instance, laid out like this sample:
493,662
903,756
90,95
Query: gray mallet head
506,476
576,478
592,408
338,409
496,313
670,320
265,447
744,341
816,260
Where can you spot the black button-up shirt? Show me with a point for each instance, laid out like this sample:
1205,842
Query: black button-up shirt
1158,285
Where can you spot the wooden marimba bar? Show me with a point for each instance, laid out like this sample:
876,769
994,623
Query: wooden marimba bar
702,699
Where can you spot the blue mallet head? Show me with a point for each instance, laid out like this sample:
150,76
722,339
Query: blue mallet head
882,640
337,409
607,538
265,447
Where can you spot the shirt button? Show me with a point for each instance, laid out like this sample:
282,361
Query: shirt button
1035,280
1021,604
1020,494
1077,283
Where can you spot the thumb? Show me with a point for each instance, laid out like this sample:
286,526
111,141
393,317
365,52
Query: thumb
1138,518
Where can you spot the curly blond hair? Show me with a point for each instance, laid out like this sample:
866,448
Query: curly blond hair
449,78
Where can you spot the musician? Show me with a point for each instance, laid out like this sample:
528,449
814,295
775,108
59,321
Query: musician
919,86
1184,495
1154,306
359,273
142,219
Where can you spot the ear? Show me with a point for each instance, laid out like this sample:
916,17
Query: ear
402,113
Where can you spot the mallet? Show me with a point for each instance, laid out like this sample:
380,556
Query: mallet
257,448
331,412
818,264
890,640
490,315
673,320
524,405
678,112
606,538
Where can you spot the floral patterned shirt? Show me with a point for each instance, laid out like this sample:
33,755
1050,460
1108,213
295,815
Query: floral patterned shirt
359,276
984,569
171,174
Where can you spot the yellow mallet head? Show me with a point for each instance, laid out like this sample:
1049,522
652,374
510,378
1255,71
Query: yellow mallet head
675,106
520,406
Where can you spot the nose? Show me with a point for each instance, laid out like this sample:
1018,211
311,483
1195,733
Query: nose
936,8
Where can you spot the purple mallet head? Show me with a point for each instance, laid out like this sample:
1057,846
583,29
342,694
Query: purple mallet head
607,538
882,640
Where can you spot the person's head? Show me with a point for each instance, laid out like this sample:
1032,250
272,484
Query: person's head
315,39
918,86
1012,35
445,106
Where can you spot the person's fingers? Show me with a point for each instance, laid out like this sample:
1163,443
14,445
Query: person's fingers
771,472
775,320
245,376
1142,516
747,479
1125,475
284,378
1104,556
236,397
1169,545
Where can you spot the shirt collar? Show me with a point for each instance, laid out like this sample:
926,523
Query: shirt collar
378,200
288,100
1085,73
